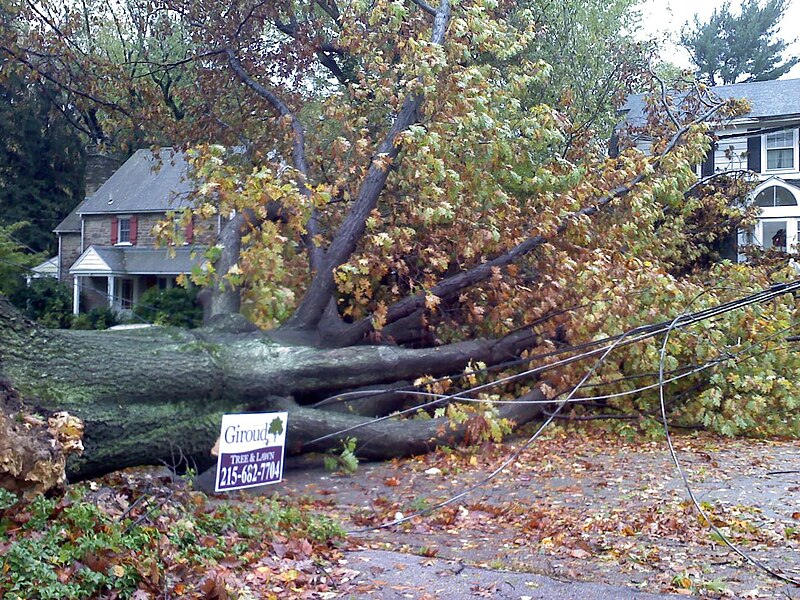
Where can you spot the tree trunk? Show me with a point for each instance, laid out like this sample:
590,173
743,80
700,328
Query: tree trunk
154,394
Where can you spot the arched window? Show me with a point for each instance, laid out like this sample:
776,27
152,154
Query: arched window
775,196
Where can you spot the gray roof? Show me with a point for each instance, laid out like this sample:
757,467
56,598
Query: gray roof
145,183
130,260
72,222
778,98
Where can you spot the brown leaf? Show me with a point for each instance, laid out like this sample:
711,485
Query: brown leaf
98,564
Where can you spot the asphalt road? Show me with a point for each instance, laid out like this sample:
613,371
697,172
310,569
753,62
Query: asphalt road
393,575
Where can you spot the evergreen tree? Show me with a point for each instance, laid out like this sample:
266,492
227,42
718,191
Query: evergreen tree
41,166
735,49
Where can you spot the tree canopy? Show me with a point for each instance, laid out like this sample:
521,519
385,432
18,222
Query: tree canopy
731,48
593,60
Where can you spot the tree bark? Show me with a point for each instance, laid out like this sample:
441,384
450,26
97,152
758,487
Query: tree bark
151,395
224,298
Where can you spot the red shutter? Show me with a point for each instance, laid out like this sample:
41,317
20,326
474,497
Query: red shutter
134,229
190,231
114,230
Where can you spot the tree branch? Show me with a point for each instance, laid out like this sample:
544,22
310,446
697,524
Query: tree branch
319,293
664,102
299,160
323,52
728,173
18,57
248,17
330,7
450,286
425,6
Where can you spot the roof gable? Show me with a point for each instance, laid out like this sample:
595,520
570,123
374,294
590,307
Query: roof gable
48,267
91,261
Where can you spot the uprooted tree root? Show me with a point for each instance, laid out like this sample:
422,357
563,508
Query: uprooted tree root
33,449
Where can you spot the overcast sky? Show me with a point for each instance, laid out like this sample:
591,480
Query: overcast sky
666,17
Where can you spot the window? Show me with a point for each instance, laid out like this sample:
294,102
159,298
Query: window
124,236
775,196
780,149
774,235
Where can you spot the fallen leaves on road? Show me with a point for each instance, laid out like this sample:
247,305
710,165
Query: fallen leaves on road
584,503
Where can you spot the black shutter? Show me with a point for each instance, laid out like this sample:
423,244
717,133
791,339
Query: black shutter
707,168
754,151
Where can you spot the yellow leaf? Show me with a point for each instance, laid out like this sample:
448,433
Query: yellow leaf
289,575
432,301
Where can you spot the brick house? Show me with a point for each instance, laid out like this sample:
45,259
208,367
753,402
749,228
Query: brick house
765,142
107,249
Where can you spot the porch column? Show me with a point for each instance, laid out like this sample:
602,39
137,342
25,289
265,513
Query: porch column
110,291
76,294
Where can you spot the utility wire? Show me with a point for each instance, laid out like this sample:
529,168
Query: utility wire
511,459
529,359
343,396
753,561
679,322
631,336
689,371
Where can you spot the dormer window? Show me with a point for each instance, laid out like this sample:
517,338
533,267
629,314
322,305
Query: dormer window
780,148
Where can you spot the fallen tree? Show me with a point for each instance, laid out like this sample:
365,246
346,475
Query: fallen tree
412,213
150,394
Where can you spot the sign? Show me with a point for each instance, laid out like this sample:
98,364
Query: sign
250,450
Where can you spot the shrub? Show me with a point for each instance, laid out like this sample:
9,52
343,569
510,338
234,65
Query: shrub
81,321
47,301
177,306
97,318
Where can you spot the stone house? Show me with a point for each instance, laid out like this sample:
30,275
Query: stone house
107,249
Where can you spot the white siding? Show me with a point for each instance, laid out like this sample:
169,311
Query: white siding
90,262
644,144
731,153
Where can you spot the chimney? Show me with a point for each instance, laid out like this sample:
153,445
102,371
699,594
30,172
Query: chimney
99,167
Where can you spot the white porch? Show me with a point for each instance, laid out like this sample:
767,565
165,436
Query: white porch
102,277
